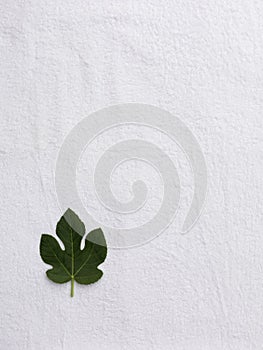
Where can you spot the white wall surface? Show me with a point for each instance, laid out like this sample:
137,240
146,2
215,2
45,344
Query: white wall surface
201,61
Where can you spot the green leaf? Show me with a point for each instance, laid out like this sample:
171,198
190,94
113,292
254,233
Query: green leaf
72,263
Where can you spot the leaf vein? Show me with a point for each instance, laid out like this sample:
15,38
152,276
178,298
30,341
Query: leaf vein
85,262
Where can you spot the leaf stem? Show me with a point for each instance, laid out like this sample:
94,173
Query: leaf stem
72,287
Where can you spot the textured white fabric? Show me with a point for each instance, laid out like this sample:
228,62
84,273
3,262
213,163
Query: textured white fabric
199,60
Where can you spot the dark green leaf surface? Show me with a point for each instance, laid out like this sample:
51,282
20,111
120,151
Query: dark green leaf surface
73,264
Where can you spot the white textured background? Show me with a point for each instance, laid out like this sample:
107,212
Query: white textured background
200,60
